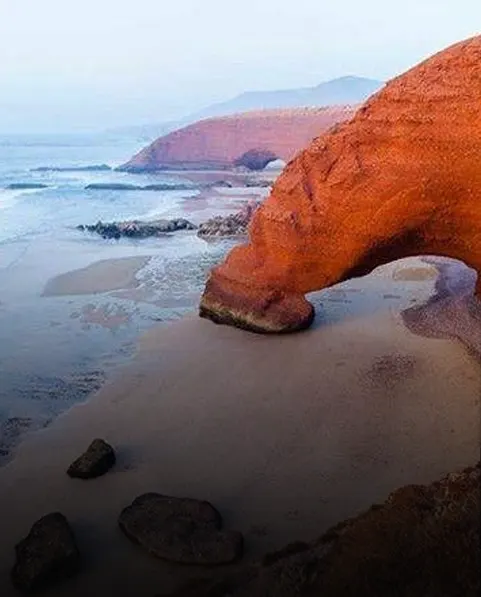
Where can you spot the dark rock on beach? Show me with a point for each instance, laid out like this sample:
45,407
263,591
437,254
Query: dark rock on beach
231,225
136,229
14,186
180,530
98,459
48,554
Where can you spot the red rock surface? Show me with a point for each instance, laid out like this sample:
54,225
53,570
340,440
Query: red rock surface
220,142
402,178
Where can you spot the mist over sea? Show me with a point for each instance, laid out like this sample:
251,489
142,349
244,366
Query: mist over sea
55,350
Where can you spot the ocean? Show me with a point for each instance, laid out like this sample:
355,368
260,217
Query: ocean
56,350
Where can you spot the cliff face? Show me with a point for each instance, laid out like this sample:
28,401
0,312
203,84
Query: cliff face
401,178
221,142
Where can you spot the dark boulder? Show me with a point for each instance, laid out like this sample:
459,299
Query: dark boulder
94,462
48,554
180,530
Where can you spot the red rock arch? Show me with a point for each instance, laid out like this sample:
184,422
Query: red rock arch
402,178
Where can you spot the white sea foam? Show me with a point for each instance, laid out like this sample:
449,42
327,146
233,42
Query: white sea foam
8,197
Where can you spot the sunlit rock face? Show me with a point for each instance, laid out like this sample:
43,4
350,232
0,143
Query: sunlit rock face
401,178
224,142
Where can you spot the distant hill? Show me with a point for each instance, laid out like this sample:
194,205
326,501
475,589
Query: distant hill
252,139
348,90
341,91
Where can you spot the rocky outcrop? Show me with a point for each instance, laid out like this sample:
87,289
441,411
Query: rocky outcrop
423,541
401,178
137,229
229,226
47,555
180,530
220,142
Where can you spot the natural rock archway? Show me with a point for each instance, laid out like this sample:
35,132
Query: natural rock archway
256,159
402,178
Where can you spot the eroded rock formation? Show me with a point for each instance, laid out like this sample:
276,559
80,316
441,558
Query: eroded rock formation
401,178
423,541
220,142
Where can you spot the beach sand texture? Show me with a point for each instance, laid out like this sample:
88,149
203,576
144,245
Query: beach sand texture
100,276
286,436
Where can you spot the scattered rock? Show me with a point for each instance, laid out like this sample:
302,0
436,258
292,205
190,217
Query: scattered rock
180,530
120,186
252,182
20,186
137,229
94,462
48,554
231,225
112,186
94,168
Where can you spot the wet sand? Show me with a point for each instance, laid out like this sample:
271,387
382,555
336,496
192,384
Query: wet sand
285,435
101,276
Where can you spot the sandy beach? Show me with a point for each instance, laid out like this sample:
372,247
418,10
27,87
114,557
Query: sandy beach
286,436
101,276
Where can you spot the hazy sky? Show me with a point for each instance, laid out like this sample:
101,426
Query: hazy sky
66,64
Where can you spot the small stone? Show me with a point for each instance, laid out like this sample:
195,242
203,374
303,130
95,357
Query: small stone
94,462
180,530
48,554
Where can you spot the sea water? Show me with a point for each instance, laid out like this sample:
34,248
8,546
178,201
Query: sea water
55,350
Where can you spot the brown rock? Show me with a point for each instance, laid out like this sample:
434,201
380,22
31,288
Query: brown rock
48,554
221,142
180,530
94,462
402,178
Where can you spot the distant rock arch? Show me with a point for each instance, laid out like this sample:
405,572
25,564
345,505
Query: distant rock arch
256,159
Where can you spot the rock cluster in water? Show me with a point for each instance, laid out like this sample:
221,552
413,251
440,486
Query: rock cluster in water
229,226
137,229
401,178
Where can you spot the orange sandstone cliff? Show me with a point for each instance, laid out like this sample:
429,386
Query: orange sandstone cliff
221,142
401,178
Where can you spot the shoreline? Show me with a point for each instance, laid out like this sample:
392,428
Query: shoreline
283,451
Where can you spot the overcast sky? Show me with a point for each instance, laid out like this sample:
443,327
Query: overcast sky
69,64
